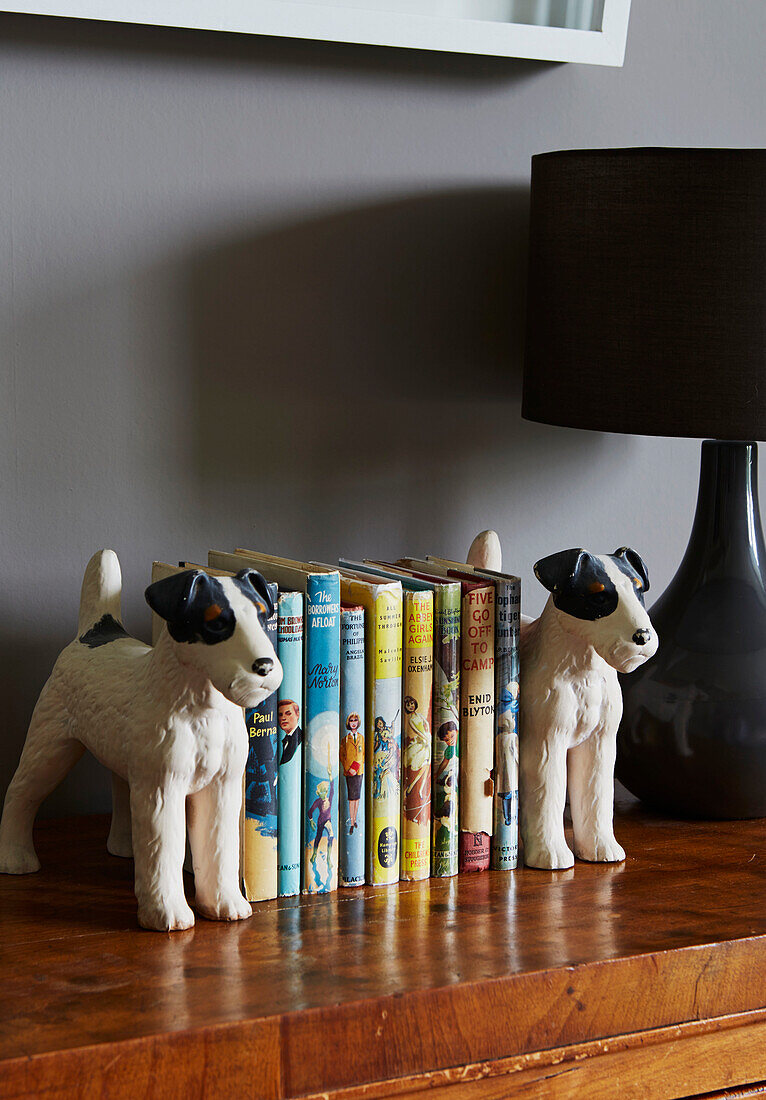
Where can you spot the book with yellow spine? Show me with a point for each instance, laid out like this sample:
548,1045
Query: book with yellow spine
382,603
418,668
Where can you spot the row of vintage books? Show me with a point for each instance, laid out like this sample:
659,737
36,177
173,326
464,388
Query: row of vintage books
390,750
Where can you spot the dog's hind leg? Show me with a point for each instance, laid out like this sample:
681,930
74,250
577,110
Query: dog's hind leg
49,753
120,842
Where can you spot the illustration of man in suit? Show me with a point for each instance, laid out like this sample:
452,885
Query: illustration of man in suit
292,734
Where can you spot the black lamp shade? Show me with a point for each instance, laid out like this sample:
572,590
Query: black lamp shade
647,292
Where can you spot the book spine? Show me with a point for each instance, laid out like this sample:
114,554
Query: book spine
384,738
352,816
477,727
505,836
259,840
416,734
446,723
322,745
290,721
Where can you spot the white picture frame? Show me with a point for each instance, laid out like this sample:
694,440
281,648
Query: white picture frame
368,21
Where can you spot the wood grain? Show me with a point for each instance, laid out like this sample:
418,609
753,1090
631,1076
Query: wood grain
650,1065
322,994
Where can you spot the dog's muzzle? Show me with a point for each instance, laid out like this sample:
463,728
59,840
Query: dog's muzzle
630,655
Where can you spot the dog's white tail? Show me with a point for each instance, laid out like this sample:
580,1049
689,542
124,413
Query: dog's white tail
485,551
101,590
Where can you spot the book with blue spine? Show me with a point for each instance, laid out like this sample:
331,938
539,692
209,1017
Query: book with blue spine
290,720
320,587
323,733
352,747
259,841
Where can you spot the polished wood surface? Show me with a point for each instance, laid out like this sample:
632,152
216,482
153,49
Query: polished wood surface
545,982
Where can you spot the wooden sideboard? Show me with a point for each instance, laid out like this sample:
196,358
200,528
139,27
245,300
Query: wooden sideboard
646,980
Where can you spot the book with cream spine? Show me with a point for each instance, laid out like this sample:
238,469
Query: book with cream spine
417,674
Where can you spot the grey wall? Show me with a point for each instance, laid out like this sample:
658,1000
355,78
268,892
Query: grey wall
270,293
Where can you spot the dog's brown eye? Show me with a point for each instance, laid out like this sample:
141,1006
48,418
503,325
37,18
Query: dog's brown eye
595,588
211,612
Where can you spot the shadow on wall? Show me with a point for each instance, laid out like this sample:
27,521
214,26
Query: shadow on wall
258,52
382,345
352,386
27,663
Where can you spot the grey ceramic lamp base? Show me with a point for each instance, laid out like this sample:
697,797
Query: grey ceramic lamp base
693,735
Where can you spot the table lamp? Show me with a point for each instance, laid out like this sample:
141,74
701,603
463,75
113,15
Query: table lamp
647,315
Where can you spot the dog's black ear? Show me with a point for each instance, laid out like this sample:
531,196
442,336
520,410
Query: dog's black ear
193,605
636,563
252,585
171,597
555,570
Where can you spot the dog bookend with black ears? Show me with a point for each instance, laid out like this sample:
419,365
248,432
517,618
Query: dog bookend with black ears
593,626
168,722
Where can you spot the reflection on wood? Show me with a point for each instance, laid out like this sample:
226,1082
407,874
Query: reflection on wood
553,983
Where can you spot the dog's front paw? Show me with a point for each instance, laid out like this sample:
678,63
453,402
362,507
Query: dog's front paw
600,850
549,857
18,860
231,906
169,915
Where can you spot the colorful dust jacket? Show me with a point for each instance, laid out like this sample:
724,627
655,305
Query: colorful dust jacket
417,714
445,771
290,721
416,718
320,587
505,836
477,711
259,840
352,747
382,603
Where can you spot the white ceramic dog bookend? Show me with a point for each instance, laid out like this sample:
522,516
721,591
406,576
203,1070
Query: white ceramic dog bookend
167,721
593,626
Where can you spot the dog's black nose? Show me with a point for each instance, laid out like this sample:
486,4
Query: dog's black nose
263,666
641,637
